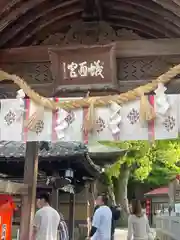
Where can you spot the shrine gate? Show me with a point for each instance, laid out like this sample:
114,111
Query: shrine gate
36,34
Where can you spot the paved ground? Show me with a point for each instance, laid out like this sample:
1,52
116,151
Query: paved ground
121,234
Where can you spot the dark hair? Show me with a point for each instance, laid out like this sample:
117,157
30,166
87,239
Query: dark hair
136,208
105,198
45,196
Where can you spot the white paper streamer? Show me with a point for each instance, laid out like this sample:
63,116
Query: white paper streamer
20,95
69,124
115,118
162,104
61,125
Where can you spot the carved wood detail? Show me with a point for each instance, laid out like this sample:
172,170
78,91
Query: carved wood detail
23,21
89,33
131,72
33,73
144,68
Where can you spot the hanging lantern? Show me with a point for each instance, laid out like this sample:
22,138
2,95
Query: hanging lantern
69,173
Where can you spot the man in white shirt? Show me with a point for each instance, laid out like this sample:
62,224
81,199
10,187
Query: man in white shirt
102,220
46,220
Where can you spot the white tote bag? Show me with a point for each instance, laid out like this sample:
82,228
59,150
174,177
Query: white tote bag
152,235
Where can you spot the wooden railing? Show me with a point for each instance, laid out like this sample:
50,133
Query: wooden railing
168,227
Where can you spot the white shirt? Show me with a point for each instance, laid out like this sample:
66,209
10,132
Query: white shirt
46,221
138,227
102,220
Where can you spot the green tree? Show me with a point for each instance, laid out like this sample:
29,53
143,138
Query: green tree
160,175
143,162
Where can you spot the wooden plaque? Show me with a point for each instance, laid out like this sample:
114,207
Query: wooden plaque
84,67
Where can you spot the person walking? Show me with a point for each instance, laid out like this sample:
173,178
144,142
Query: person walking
138,224
46,220
63,229
115,217
102,220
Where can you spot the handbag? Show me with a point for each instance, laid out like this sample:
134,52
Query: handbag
151,235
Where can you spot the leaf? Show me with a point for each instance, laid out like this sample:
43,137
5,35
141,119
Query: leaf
113,170
144,159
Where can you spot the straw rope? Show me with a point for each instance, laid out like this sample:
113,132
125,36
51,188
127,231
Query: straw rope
146,110
86,102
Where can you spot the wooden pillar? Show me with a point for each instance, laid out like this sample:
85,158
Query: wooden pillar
28,201
55,198
71,215
88,209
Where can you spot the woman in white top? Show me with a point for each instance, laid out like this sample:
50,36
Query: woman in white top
138,224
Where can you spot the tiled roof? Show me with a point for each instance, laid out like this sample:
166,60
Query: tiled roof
158,191
18,149
58,149
14,150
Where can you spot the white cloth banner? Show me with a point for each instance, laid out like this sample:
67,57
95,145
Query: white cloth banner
166,126
102,129
43,126
68,125
11,120
131,127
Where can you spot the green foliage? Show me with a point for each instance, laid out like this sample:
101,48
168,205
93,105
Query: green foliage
156,162
113,171
160,175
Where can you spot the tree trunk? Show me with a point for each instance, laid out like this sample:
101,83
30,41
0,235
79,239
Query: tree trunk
111,194
121,194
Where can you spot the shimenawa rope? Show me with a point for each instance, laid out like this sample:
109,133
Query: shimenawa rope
91,102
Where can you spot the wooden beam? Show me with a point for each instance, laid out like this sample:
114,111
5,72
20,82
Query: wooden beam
130,48
17,55
45,89
48,22
98,4
9,187
128,7
48,7
146,26
28,201
151,47
171,6
124,86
